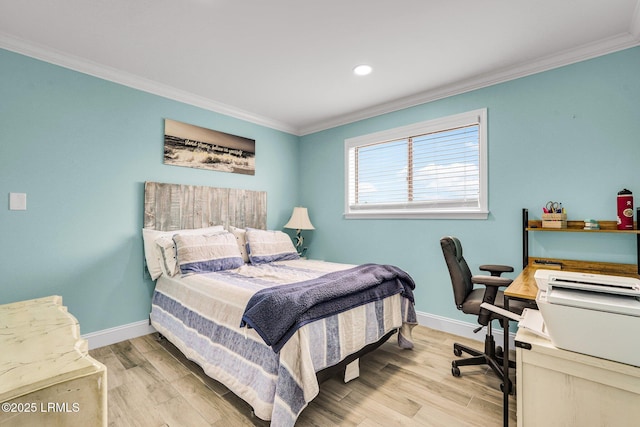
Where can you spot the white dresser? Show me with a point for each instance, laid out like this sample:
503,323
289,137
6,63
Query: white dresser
47,377
562,388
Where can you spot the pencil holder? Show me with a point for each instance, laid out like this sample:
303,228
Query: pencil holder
554,220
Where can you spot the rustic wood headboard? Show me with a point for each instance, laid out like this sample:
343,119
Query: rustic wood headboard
175,207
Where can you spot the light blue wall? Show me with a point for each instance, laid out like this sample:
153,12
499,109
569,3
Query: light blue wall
570,135
81,148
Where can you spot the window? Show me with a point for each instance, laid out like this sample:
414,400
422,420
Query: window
432,169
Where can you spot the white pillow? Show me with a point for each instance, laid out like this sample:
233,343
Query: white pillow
207,253
152,252
268,245
240,235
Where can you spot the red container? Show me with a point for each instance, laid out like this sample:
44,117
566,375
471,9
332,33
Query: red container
625,210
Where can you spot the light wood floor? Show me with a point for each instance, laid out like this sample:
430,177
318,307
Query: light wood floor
151,384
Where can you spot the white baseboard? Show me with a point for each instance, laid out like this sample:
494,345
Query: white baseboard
119,333
456,327
460,328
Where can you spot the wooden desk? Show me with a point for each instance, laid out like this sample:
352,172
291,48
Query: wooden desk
524,286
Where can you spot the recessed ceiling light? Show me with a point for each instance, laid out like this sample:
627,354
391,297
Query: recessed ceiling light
362,70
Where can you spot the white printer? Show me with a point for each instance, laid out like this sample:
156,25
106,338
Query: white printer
594,314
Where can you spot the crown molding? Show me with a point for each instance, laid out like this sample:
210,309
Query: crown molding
568,57
101,71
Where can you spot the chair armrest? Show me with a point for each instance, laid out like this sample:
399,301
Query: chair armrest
491,280
496,269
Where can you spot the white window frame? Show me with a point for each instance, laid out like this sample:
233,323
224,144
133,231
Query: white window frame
478,117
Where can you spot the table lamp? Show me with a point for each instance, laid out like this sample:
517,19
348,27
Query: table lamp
299,221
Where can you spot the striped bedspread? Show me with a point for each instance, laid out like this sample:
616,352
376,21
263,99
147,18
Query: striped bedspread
201,315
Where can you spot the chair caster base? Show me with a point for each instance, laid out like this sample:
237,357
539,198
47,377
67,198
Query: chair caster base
455,371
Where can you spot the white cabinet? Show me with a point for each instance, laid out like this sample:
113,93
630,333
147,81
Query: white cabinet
47,377
562,388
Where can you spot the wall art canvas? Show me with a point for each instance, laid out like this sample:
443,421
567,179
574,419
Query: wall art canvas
197,147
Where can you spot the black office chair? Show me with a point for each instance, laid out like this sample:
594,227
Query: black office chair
468,299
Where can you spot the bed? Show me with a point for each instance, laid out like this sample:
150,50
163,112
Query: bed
232,299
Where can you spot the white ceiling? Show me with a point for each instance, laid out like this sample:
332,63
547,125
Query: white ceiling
288,64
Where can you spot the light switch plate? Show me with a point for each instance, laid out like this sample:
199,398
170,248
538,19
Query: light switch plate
18,201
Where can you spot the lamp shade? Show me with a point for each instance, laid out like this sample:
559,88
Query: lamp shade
299,220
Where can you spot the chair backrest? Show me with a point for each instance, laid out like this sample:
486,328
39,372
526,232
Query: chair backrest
458,269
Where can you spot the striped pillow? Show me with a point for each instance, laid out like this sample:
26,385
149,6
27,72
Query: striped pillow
267,246
153,253
207,253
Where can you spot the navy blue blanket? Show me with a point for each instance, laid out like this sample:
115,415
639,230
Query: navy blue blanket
276,313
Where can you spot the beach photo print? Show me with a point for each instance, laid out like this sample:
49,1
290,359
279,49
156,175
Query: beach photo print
197,147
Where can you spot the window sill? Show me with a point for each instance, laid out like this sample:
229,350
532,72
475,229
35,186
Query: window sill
417,215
